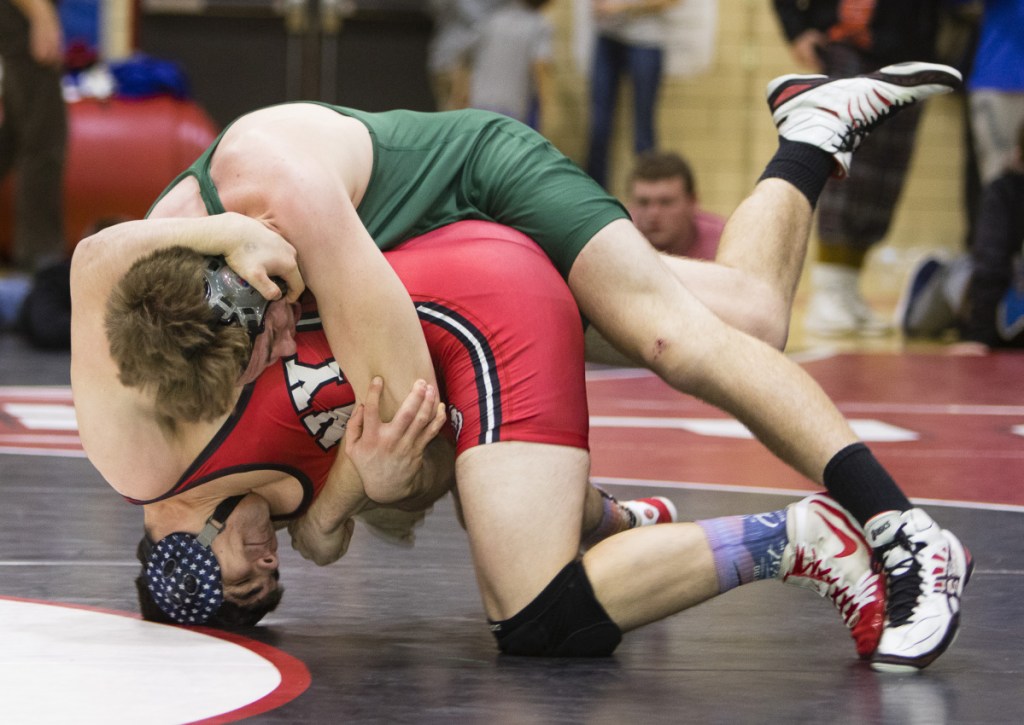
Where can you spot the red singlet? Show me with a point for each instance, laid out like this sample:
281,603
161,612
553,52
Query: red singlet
503,331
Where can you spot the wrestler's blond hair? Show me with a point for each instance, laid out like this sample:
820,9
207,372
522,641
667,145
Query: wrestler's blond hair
164,338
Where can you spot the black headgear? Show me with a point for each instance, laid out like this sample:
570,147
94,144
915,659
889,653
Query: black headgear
183,574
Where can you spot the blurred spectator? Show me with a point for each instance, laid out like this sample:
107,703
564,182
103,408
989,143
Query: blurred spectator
631,38
457,26
511,63
664,206
843,38
33,134
41,309
979,294
995,87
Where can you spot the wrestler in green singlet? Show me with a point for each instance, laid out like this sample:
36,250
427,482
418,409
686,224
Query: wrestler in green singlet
431,169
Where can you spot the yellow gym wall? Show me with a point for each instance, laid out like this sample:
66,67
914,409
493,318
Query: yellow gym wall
719,121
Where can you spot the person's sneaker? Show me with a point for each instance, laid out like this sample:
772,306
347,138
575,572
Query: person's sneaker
650,511
828,554
926,569
1010,310
836,115
622,516
836,307
922,310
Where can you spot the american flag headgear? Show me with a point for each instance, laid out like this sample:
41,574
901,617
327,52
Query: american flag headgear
183,574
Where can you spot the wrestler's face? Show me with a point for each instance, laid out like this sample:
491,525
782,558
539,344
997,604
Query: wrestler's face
247,552
275,342
663,210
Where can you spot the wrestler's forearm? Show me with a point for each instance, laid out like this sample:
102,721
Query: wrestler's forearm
341,498
435,478
253,250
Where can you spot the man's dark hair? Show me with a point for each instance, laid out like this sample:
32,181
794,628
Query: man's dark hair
228,616
658,165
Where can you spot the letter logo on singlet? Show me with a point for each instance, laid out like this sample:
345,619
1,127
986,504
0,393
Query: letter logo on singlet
328,426
305,380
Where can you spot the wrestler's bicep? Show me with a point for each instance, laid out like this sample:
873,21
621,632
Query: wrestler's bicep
367,314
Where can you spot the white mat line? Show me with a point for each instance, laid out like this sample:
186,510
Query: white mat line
69,562
799,493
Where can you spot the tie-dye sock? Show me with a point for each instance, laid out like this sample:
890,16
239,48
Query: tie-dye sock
614,519
746,548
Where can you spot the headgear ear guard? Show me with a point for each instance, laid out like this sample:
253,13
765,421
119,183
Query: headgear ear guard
183,574
232,299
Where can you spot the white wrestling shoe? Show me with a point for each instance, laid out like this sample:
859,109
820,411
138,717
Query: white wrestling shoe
836,115
926,570
650,511
836,307
828,554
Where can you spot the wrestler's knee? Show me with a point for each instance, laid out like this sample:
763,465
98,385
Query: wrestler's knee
565,620
767,317
756,306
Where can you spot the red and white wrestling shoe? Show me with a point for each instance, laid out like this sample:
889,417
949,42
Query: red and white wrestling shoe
828,554
837,114
650,511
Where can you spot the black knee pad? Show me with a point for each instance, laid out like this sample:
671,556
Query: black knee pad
565,620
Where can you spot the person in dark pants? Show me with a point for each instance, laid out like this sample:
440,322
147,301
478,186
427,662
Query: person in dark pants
33,134
40,307
843,38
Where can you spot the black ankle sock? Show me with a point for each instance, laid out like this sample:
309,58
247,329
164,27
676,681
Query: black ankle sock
804,166
858,482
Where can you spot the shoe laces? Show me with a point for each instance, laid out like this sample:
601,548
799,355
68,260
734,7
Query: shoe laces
808,565
859,129
903,576
628,513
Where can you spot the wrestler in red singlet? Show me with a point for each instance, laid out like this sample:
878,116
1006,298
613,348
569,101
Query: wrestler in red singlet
504,334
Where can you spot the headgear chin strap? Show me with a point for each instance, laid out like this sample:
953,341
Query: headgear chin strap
183,574
232,299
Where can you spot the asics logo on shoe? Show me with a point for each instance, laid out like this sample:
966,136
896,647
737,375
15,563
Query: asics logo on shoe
879,530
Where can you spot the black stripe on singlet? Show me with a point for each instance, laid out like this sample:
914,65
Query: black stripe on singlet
479,351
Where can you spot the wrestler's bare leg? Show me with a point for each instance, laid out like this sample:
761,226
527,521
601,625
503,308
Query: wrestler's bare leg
643,575
593,514
522,504
752,282
519,502
642,308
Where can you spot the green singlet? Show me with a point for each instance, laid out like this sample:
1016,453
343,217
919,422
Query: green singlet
432,169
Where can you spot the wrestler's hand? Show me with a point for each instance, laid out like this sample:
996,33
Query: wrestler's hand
257,253
319,545
389,456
